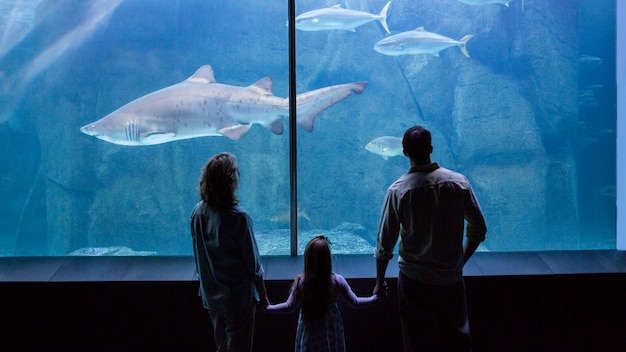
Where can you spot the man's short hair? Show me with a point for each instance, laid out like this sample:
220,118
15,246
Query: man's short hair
417,142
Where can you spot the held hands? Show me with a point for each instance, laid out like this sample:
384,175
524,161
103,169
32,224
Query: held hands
381,289
264,301
260,286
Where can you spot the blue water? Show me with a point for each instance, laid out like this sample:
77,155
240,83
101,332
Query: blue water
529,117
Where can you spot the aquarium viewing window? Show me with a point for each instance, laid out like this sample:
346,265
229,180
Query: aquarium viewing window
109,109
621,124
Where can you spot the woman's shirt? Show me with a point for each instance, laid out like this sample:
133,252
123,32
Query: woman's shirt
227,257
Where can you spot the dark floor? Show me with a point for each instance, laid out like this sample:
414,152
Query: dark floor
543,301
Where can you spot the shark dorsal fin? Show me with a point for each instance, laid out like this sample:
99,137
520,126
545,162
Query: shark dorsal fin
203,75
420,29
263,86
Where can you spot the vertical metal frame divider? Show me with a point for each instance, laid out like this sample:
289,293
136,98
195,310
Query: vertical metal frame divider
293,165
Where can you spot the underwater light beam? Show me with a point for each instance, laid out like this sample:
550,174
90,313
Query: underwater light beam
20,21
98,15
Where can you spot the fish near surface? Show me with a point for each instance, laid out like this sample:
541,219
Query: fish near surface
385,146
336,17
199,107
486,2
419,41
590,60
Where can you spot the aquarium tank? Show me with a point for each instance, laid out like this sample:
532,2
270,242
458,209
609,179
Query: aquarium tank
109,109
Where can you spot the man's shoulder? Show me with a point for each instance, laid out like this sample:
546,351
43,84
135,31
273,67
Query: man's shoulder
450,174
454,179
399,182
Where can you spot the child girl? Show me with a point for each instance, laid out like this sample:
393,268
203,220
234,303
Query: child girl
316,291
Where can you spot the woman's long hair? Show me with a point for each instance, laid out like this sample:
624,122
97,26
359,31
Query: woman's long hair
316,289
219,180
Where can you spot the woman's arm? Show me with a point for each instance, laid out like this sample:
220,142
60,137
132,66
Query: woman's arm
290,305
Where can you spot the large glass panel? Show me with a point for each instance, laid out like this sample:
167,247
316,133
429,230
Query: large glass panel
621,123
520,97
529,117
65,64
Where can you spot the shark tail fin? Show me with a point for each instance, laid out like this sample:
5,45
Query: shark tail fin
464,43
303,214
311,103
383,17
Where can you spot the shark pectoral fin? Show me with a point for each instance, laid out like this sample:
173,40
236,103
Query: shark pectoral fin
157,137
276,127
306,121
385,157
235,132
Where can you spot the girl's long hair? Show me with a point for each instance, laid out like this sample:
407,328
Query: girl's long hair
219,180
316,288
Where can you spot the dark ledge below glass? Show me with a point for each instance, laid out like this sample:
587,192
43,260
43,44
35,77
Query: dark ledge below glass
182,268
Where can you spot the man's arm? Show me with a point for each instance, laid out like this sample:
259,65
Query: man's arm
388,232
476,227
260,287
469,248
381,286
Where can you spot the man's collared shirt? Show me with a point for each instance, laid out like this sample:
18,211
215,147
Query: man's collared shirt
427,207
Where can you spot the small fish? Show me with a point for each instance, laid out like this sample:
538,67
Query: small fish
587,98
486,2
385,146
594,87
283,216
605,133
336,17
586,142
590,60
606,191
419,41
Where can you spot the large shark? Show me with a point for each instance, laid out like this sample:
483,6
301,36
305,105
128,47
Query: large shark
199,106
